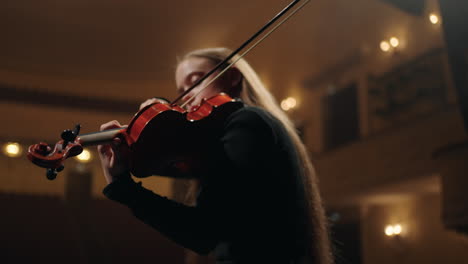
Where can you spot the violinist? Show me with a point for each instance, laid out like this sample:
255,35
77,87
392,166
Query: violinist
257,201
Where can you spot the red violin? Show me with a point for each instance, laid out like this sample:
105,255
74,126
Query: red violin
164,139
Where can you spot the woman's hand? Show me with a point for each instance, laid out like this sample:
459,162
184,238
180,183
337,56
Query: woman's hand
114,156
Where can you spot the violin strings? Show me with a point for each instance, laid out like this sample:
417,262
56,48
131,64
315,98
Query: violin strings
247,51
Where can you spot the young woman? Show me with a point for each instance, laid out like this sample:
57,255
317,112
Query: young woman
258,202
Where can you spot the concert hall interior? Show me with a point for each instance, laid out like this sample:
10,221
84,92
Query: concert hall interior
378,90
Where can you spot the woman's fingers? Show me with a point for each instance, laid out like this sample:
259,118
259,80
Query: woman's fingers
115,154
116,141
107,148
110,125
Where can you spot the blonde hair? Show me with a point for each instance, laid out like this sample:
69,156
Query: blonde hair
254,93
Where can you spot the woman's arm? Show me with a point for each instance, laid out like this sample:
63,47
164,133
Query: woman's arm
191,227
226,204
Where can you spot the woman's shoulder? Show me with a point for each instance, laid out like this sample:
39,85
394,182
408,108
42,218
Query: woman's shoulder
254,123
249,137
251,115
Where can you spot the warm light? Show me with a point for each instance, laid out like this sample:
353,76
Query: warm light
288,103
389,230
292,102
397,229
12,149
284,105
385,46
434,18
394,42
393,230
85,156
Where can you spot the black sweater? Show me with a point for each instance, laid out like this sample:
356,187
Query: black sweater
250,207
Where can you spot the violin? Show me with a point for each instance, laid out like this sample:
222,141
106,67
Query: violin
156,148
163,138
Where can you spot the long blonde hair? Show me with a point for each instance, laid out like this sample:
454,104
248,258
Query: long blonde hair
254,93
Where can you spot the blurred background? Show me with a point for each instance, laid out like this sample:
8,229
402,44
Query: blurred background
377,88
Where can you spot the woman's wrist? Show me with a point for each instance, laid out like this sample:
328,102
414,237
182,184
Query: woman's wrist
122,189
113,175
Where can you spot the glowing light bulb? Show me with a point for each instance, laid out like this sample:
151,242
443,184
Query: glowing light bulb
84,157
394,42
292,102
288,103
389,231
433,18
397,229
284,105
12,149
384,46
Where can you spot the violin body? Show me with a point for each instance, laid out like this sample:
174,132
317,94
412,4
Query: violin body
163,139
177,143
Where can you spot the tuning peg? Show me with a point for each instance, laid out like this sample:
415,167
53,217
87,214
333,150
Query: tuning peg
51,174
76,131
68,135
59,169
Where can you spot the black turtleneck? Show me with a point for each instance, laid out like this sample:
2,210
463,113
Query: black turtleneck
250,207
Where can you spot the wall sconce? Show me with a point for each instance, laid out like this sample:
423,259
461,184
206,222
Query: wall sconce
385,46
12,149
393,230
288,104
395,234
394,42
434,18
390,45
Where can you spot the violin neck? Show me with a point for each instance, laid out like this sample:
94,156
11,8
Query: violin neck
101,137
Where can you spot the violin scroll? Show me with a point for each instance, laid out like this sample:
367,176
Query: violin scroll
52,159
